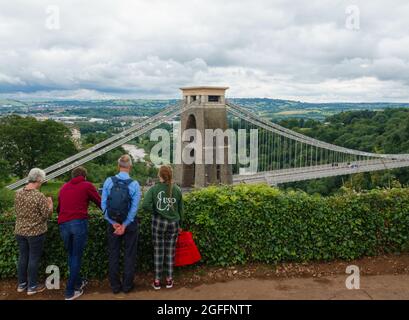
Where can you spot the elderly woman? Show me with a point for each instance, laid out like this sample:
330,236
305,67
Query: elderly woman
32,212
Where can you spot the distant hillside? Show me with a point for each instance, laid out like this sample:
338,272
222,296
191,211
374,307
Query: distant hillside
283,109
271,108
10,102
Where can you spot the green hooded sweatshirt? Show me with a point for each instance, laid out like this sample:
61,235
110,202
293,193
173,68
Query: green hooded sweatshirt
157,200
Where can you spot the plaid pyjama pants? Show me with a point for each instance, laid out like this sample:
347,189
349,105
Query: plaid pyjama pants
164,236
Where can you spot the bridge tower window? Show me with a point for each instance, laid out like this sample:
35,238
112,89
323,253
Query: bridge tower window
214,98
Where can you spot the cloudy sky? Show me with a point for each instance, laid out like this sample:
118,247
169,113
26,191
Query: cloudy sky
304,50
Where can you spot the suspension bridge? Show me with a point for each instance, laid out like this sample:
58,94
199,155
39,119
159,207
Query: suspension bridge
283,154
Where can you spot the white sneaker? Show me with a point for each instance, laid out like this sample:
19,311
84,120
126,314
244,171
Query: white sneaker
76,295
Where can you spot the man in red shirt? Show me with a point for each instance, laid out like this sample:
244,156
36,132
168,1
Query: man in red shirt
73,201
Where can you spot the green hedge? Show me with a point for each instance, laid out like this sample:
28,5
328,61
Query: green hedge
241,224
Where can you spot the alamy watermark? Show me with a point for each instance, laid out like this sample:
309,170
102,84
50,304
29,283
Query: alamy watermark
353,18
353,281
53,280
213,146
52,21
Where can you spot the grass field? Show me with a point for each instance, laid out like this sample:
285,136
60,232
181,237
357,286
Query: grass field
296,112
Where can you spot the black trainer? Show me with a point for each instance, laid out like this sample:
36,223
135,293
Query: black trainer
22,287
37,289
127,290
116,290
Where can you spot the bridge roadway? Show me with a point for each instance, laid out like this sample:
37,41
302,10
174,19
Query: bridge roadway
315,172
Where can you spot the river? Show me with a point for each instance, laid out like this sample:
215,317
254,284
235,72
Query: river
136,153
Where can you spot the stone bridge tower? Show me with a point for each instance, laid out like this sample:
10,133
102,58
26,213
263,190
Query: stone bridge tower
208,111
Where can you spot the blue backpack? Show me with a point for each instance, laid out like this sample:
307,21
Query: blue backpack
119,200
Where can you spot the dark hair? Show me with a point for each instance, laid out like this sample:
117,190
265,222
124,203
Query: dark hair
79,171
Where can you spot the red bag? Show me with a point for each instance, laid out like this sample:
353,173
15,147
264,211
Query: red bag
186,250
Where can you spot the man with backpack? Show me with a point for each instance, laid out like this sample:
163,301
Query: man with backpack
120,200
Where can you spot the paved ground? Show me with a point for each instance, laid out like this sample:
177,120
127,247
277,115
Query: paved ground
382,277
327,288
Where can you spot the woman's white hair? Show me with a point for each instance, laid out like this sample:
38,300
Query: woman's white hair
36,175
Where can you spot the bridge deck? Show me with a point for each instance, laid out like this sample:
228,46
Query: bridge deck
316,172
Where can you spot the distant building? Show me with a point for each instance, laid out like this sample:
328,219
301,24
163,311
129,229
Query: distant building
76,137
97,120
41,118
69,119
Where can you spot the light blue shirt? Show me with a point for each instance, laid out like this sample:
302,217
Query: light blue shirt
134,193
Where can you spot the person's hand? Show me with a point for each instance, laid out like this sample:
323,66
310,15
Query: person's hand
120,229
123,227
50,202
116,227
118,232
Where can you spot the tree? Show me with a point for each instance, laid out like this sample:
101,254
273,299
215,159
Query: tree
6,196
26,143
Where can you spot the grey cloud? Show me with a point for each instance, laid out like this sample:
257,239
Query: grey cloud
298,49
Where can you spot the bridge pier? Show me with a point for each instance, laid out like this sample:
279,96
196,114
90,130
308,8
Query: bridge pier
208,111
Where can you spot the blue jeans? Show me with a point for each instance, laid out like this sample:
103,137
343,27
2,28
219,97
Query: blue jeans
74,233
31,249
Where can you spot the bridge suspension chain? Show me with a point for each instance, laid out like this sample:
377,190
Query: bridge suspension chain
280,151
298,136
110,143
95,148
283,156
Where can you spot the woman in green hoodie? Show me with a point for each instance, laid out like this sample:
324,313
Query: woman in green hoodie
164,199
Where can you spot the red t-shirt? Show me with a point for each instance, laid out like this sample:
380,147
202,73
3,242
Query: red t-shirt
74,198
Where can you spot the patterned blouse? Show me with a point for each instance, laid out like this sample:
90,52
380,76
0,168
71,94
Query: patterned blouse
32,213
